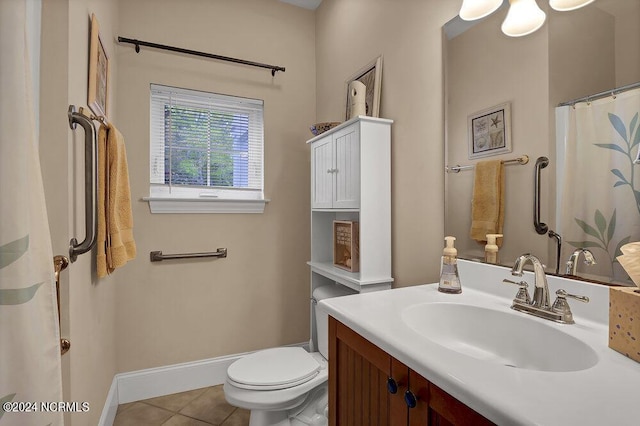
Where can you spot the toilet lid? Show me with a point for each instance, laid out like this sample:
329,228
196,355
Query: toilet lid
271,369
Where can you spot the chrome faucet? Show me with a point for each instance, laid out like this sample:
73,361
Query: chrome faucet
539,306
541,292
572,263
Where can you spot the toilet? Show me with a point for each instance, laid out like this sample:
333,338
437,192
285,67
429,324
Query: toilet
286,386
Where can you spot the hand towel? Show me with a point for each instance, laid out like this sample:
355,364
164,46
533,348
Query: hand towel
487,205
115,244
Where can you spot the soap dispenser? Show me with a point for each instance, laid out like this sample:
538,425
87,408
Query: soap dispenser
449,278
491,249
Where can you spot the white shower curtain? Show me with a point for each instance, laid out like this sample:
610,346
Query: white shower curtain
599,201
30,371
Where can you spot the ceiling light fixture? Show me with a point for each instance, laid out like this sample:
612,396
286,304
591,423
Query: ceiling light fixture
564,5
478,9
524,16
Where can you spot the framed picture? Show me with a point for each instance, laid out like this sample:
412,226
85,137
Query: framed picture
371,76
97,94
490,131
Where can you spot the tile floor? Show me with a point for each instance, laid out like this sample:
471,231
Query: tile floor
200,407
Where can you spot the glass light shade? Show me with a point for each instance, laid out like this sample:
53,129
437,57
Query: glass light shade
523,18
564,5
476,9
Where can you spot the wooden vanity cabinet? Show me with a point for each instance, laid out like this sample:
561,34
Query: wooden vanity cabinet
367,386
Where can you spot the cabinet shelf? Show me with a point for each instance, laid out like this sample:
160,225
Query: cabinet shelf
351,181
350,279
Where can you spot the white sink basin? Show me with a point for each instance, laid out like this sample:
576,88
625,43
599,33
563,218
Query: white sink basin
505,338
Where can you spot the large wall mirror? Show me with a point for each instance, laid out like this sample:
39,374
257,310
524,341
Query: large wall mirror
575,54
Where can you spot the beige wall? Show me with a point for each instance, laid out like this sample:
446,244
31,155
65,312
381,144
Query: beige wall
88,305
349,34
258,296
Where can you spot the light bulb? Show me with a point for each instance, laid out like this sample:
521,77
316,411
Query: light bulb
564,5
476,9
523,18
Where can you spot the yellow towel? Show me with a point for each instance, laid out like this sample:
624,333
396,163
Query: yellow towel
115,244
487,206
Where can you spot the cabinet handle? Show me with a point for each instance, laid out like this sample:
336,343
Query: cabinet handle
332,170
410,399
392,385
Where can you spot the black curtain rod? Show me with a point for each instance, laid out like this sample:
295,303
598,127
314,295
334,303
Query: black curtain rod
138,43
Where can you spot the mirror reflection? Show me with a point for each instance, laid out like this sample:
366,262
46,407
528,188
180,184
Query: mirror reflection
574,54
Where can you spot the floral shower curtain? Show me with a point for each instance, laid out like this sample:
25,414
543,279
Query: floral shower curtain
599,204
30,372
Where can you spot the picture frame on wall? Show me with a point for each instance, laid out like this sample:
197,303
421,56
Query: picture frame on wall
98,90
371,76
489,131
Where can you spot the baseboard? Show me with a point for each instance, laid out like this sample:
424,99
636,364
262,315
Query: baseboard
110,405
153,382
160,381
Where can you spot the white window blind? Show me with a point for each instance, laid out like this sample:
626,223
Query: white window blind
205,145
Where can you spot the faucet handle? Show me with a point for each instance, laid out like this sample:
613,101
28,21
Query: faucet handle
563,294
523,293
561,306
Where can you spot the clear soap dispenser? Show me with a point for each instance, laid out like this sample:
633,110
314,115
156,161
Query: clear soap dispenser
449,278
491,249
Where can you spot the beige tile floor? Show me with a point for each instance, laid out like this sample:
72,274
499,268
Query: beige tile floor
200,407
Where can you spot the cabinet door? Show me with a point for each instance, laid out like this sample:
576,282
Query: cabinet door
358,382
435,407
347,168
322,172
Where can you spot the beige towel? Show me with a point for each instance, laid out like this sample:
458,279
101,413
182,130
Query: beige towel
116,245
487,206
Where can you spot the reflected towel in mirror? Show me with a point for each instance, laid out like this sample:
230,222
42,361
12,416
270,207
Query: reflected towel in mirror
487,205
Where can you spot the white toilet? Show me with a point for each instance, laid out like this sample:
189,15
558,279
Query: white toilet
286,386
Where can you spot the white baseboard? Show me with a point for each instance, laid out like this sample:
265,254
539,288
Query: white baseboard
110,405
160,381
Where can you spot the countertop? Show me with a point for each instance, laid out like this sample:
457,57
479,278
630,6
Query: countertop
604,394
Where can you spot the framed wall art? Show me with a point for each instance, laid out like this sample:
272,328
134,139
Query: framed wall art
490,131
371,76
98,90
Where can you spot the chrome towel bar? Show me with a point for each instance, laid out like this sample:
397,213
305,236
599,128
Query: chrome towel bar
90,183
456,169
157,256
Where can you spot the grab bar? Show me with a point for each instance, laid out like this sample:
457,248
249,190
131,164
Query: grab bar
541,228
60,263
157,256
90,183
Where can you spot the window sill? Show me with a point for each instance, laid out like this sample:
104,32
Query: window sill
199,205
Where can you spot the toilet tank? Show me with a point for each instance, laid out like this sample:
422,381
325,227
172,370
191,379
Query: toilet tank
322,317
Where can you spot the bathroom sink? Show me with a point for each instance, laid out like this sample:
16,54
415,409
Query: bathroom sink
503,338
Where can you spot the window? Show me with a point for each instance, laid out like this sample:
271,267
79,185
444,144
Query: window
206,151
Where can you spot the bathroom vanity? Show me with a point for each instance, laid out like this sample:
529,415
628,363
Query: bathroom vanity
369,386
415,356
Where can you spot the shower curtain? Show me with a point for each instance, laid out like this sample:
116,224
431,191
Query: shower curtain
30,371
599,186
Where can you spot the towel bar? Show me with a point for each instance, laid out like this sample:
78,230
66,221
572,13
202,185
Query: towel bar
456,169
157,256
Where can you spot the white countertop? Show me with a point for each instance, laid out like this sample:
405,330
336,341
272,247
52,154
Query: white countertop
605,394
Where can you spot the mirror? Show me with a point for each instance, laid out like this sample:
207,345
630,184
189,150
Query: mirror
574,54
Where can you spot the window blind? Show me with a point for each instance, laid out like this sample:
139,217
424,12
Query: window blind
205,140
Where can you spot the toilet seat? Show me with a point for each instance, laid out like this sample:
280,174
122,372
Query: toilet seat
273,369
